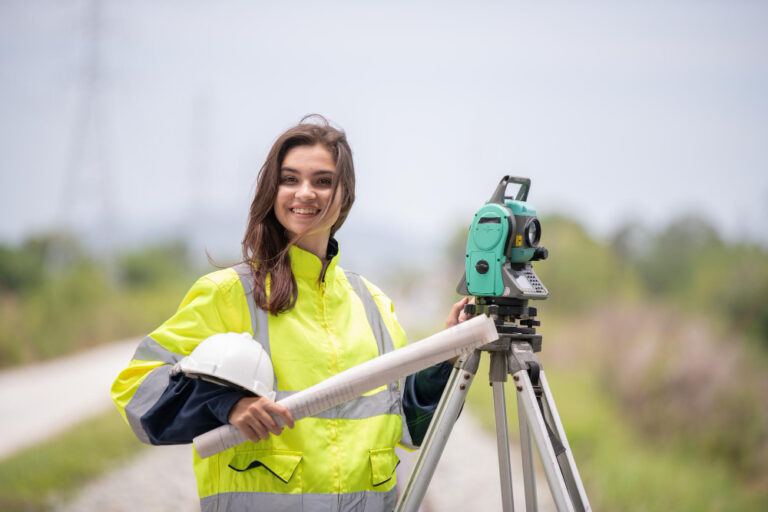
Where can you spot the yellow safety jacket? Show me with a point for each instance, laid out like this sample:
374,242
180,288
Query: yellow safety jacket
340,459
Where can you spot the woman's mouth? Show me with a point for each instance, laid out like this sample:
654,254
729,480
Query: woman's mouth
304,211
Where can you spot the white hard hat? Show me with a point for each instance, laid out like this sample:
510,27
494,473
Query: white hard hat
231,359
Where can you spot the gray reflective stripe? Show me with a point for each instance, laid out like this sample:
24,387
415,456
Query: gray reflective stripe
384,341
358,408
259,317
149,392
150,350
364,501
375,320
405,438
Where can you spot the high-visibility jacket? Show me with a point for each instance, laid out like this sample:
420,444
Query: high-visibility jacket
340,459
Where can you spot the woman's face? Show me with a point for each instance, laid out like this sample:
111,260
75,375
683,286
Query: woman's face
307,179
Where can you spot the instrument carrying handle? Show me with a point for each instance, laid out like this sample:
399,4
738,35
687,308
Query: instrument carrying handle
501,191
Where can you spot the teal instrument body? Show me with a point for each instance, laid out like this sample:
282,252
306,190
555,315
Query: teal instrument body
503,240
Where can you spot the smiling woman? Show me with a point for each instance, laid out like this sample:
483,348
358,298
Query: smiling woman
314,320
309,168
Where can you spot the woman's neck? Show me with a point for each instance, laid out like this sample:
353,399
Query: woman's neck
317,245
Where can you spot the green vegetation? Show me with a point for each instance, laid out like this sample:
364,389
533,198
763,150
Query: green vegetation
656,346
56,299
43,475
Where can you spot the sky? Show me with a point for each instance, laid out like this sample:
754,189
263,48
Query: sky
617,111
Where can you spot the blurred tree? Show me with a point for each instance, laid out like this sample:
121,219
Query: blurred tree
631,242
154,265
668,265
580,271
26,267
18,271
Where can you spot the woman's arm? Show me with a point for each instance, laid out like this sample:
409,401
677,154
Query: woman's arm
188,408
157,404
421,395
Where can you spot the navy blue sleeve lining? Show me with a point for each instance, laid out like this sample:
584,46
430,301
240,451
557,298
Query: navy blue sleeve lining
421,395
188,408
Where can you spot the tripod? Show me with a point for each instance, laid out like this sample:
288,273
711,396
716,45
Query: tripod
513,353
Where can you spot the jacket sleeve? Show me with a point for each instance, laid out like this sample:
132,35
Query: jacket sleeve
186,409
421,394
165,409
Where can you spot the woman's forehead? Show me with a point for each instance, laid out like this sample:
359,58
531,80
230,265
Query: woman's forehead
309,158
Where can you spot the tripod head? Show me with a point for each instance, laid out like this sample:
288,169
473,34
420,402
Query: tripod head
515,321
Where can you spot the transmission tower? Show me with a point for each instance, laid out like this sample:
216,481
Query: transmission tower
88,179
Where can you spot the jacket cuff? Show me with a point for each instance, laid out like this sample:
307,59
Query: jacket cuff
222,405
430,383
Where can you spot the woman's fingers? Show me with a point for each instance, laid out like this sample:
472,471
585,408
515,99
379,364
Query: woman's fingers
276,409
259,429
253,416
456,309
270,412
464,316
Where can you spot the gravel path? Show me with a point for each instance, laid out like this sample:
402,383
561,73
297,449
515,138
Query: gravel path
159,480
41,400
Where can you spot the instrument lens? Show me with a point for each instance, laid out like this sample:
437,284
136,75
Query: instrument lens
533,233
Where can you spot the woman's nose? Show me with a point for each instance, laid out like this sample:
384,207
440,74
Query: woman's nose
305,191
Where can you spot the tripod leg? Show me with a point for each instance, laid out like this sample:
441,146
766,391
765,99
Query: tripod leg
538,429
438,432
567,463
529,477
498,374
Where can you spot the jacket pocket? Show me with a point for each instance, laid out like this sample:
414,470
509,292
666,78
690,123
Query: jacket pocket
280,463
384,461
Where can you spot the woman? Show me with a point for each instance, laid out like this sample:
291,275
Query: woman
315,320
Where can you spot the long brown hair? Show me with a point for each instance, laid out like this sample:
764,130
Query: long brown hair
265,243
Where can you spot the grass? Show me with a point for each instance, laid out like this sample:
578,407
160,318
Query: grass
620,468
51,472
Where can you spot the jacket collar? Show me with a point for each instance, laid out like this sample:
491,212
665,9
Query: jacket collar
306,265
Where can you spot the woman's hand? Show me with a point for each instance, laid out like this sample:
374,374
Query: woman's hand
252,415
457,314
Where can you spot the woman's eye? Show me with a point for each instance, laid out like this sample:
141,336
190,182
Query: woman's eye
287,180
326,182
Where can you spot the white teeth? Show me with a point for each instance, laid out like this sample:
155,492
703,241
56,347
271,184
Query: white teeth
303,211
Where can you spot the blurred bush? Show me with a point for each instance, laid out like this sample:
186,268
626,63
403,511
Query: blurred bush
55,298
681,381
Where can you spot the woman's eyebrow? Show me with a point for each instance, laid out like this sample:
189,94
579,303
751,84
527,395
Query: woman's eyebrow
315,173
